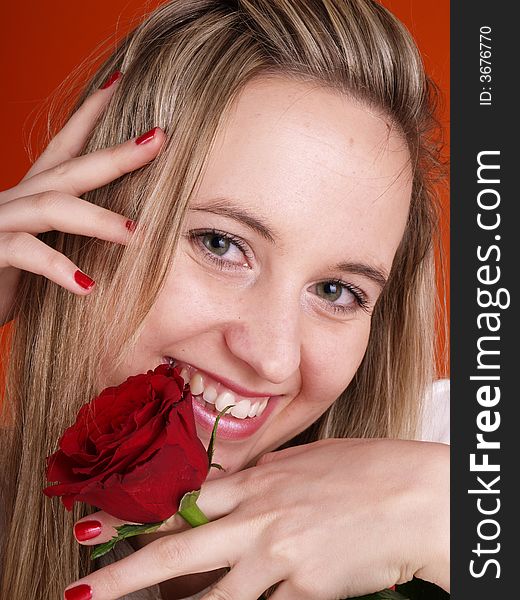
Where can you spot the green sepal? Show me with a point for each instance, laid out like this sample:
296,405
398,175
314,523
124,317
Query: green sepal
189,510
123,532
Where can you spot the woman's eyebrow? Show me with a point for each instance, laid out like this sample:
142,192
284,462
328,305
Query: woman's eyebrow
227,208
376,274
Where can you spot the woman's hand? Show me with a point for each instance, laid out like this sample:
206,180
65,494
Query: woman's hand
47,198
332,519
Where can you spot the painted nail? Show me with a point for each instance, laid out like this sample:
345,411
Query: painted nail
79,592
112,79
131,225
86,530
146,137
83,280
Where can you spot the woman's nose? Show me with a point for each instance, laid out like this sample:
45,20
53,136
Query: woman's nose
267,336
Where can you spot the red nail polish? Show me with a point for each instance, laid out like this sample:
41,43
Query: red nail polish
83,280
112,79
130,225
86,530
146,137
79,592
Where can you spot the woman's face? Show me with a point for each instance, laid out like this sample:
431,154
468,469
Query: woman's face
287,245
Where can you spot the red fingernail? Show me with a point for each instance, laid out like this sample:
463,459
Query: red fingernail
86,530
131,225
112,79
83,280
146,137
79,592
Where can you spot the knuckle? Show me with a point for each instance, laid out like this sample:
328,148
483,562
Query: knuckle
114,580
280,553
17,244
220,593
281,544
170,552
54,146
60,171
53,261
305,588
265,458
48,199
118,157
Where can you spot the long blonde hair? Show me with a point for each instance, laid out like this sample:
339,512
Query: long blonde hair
183,67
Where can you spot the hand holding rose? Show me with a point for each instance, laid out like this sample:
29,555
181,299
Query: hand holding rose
335,518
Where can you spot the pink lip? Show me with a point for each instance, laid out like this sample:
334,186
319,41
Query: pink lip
231,428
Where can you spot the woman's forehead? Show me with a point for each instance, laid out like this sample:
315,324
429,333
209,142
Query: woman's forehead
303,156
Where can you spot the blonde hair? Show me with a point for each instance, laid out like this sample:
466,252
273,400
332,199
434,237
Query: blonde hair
183,67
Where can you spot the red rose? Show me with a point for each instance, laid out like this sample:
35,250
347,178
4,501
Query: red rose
133,450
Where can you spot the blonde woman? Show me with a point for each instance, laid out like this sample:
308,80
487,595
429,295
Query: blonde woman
244,189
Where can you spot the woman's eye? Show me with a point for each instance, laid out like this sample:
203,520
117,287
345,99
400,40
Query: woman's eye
329,290
228,252
216,243
341,297
223,249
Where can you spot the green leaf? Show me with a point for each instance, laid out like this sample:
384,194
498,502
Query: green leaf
123,532
214,432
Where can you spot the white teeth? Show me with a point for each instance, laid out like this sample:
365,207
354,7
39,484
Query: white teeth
224,399
196,384
261,408
241,409
185,375
210,394
254,409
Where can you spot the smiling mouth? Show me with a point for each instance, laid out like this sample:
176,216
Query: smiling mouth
215,396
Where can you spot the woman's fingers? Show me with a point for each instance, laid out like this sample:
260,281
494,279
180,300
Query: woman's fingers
97,528
58,211
72,137
46,199
84,173
218,498
198,550
26,252
48,202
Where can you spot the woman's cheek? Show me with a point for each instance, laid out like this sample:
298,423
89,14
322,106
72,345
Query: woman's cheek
336,358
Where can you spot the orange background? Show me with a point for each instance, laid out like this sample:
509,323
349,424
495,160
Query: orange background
42,42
